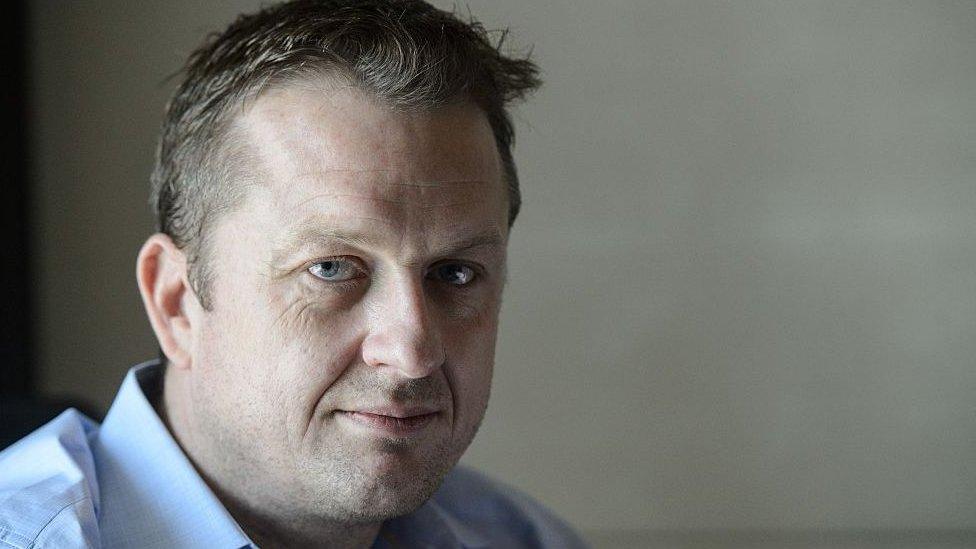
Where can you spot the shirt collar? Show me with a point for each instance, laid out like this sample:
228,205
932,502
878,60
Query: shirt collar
151,494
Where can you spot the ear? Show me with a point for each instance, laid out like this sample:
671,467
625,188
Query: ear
161,271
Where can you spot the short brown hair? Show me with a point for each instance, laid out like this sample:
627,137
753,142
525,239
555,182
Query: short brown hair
405,52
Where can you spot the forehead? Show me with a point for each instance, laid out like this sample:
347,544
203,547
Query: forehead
332,153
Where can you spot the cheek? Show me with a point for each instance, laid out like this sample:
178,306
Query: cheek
274,358
308,347
471,365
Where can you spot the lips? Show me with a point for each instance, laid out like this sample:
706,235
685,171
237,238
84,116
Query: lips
390,420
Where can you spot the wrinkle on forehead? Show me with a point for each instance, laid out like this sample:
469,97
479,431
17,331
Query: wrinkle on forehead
429,212
386,193
423,204
421,183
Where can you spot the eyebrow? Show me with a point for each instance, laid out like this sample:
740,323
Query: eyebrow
305,236
490,239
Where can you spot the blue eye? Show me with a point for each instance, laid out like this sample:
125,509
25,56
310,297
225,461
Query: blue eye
334,270
455,274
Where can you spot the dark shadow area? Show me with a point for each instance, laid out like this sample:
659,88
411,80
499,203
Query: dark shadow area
21,408
20,415
15,342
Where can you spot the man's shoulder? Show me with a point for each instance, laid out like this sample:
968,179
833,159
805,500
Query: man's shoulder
48,489
502,513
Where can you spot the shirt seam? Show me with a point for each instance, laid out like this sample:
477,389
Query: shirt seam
56,515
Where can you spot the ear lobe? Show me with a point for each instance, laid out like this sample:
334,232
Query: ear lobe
161,272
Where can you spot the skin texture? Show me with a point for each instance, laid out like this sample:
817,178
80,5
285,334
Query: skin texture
364,270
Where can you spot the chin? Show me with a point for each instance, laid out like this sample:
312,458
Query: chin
384,485
392,494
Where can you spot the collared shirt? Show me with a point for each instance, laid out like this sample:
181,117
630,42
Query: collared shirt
127,483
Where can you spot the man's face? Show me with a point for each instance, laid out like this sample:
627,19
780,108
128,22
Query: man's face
346,362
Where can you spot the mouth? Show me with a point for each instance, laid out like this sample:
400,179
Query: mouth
390,422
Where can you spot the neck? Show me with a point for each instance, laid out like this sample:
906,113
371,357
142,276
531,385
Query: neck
268,526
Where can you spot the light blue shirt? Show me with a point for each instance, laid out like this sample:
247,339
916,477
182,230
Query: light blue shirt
127,483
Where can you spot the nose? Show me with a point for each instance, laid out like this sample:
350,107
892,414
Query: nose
403,335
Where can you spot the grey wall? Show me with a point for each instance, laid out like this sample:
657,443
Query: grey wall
743,286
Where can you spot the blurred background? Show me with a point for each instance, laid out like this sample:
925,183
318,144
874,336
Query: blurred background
742,299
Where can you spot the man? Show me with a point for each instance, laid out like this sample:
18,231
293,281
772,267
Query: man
334,189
